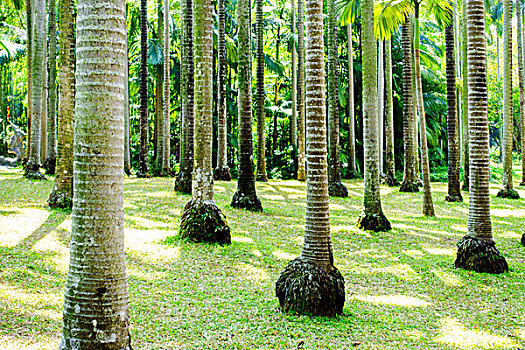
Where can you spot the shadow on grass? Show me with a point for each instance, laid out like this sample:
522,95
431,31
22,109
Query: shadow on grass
53,220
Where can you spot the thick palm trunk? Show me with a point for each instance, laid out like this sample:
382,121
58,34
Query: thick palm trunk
33,164
261,148
183,182
351,110
409,175
293,118
143,169
391,179
335,187
428,205
96,297
245,197
43,119
166,152
311,284
507,190
301,129
477,250
202,220
454,192
222,172
372,217
62,195
465,98
521,76
50,162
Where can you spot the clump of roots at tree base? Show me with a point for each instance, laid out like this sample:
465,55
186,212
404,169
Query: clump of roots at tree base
480,255
374,222
241,200
337,189
204,222
508,193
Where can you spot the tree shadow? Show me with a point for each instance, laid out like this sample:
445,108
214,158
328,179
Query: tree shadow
53,221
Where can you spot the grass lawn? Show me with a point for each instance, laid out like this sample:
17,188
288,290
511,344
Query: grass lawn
402,291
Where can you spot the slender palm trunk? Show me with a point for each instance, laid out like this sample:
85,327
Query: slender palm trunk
465,98
50,162
391,179
311,284
159,99
351,110
29,55
293,118
245,197
96,297
202,220
43,119
222,172
521,76
166,159
183,182
261,148
507,190
335,187
62,195
127,153
301,130
143,170
477,250
381,100
409,175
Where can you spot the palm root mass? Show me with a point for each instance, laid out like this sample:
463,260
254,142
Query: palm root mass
241,200
392,181
222,174
452,198
337,189
59,199
409,186
480,255
306,289
374,222
204,222
508,193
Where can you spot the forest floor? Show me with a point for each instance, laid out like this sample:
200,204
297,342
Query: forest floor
402,290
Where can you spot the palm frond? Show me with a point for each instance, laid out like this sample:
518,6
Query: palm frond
389,15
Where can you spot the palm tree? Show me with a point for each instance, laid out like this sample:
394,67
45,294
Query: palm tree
454,192
95,312
391,179
464,101
507,191
293,118
159,100
335,187
301,170
351,113
477,250
521,76
32,170
183,182
311,284
381,100
143,169
62,195
29,56
372,217
50,162
222,171
202,220
261,154
166,166
409,175
127,151
245,197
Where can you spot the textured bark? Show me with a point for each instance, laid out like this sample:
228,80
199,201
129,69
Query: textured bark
335,187
454,192
293,118
351,110
159,100
507,190
166,152
62,195
301,127
381,100
464,96
127,153
96,297
143,169
479,221
201,219
50,161
261,153
372,217
43,119
32,170
391,179
409,175
311,285
222,172
428,205
245,197
183,182
29,56
521,77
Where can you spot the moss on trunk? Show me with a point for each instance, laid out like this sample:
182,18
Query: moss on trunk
337,189
374,222
480,255
204,222
306,289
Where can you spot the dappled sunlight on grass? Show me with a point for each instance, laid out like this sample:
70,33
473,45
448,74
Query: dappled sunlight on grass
283,256
253,273
392,300
17,227
439,251
448,278
242,239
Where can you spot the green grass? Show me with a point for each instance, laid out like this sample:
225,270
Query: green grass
402,291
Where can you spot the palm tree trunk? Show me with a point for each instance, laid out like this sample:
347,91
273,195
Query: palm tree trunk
507,190
311,284
222,172
43,120
477,250
351,111
293,119
391,179
127,153
50,162
465,98
166,159
202,220
381,100
521,76
159,100
143,169
183,182
261,148
96,298
245,197
301,130
62,195
29,55
335,187
454,192
409,175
